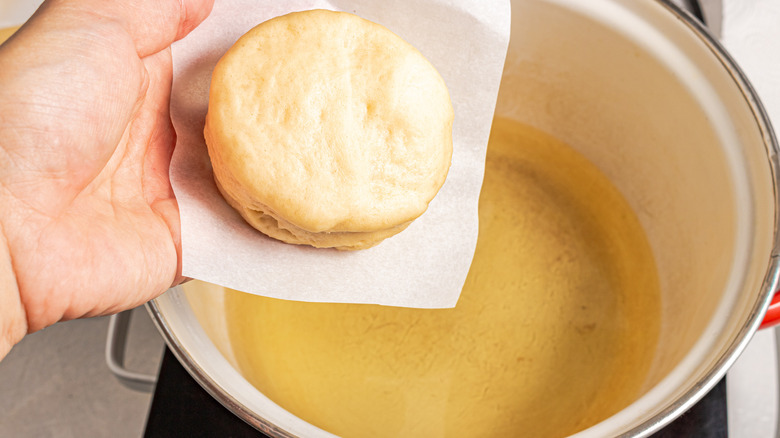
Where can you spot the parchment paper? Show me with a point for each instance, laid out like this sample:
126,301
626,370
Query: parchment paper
424,266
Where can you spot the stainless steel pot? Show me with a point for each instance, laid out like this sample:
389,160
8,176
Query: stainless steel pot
647,95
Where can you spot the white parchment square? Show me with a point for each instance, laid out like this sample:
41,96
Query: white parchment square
426,265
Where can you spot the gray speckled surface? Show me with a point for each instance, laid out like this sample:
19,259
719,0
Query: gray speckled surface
55,383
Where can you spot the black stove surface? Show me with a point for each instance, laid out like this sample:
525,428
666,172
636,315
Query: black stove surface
181,408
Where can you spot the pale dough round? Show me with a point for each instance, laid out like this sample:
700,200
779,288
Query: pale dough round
327,129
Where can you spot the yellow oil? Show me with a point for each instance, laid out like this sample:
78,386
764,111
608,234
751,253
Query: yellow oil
6,33
554,331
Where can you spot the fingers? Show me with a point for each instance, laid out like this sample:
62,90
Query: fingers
157,190
152,24
156,24
168,211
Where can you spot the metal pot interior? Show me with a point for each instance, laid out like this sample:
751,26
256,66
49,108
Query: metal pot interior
657,108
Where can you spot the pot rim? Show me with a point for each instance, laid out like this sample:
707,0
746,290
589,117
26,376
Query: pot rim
219,393
682,403
772,278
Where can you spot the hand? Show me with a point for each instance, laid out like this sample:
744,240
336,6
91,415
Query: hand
87,215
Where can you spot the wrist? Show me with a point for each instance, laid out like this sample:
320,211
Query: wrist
13,321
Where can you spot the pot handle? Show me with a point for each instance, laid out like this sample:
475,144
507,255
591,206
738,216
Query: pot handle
772,317
118,327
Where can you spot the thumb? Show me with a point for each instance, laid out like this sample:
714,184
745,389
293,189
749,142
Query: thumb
152,24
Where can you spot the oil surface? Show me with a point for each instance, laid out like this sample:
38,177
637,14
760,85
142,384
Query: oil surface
6,33
554,331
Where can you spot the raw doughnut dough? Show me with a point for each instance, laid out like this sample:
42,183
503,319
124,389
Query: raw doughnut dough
327,129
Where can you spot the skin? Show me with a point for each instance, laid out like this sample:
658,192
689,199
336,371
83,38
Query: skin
89,224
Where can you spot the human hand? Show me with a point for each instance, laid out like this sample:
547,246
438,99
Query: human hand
88,216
